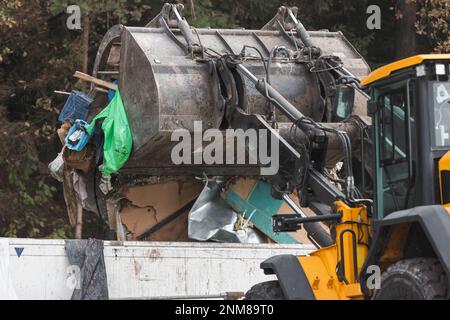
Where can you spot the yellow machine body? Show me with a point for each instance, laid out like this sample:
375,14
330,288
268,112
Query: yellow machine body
444,168
349,252
333,272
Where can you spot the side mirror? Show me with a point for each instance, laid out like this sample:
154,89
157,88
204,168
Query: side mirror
372,107
344,102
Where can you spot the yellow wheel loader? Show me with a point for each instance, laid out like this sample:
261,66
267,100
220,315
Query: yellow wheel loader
396,246
386,206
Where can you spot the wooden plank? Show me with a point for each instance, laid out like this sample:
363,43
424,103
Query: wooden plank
101,83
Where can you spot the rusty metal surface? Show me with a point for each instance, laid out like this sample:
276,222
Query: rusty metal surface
109,39
165,87
213,219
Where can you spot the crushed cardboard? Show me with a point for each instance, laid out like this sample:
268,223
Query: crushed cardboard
147,205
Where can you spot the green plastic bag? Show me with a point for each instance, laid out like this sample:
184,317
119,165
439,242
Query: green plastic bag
118,137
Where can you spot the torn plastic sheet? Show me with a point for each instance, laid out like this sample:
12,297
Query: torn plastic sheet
56,167
212,219
87,256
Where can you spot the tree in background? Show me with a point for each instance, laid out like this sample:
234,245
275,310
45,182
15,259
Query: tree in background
433,18
210,13
408,26
347,16
26,194
96,14
7,22
405,36
421,26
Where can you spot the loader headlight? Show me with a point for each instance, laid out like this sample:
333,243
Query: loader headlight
440,69
421,71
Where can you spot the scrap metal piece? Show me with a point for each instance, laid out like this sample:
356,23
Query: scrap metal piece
212,219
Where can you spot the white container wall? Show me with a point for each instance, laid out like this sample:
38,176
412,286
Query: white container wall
39,269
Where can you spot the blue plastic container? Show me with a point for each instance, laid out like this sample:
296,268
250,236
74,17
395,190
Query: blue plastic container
76,107
78,138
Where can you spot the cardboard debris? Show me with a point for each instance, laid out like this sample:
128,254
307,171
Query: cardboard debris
148,205
63,131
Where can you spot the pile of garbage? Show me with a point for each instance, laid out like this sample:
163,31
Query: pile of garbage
104,143
116,160
222,212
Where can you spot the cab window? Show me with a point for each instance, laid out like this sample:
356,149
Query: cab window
396,121
441,125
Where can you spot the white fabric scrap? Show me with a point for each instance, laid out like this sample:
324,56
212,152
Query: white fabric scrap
79,185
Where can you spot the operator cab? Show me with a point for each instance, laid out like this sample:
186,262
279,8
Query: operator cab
410,110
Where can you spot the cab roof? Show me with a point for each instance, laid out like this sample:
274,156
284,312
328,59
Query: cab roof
387,70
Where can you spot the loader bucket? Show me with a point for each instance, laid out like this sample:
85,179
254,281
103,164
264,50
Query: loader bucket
165,87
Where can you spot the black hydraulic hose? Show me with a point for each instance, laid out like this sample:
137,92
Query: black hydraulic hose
303,122
319,234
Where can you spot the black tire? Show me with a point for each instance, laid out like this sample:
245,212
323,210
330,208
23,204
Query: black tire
270,290
413,279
